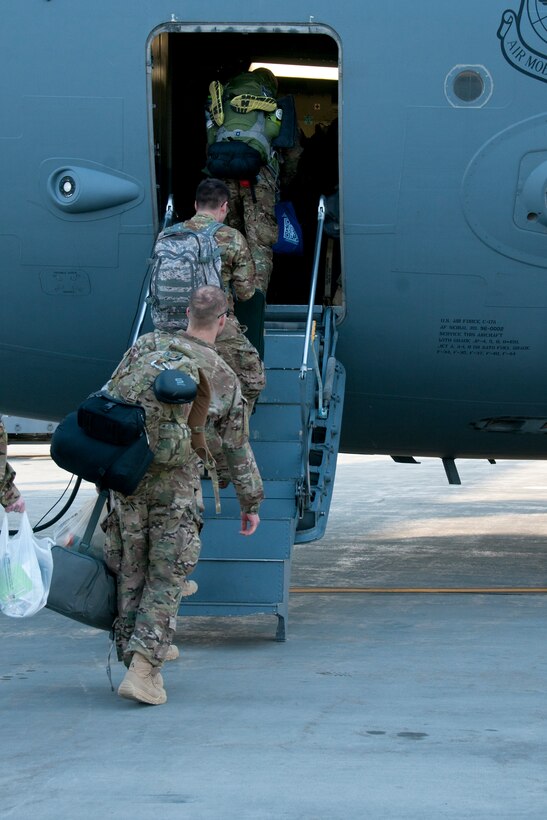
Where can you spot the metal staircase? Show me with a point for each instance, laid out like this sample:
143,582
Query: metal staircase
294,433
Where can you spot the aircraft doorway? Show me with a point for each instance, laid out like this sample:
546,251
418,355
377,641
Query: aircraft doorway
184,63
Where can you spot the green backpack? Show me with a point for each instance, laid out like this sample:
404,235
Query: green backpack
251,119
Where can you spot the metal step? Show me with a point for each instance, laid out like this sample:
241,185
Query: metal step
279,500
273,422
284,387
221,540
279,460
226,583
284,350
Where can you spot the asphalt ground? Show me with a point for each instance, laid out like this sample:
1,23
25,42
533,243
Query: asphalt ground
412,684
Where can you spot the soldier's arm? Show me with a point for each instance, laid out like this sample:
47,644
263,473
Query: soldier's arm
245,478
9,494
242,272
232,429
10,497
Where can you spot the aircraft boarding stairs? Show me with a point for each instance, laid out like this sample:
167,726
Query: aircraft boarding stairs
294,433
295,441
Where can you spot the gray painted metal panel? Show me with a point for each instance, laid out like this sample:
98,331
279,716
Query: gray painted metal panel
274,422
229,582
275,489
235,610
270,507
283,387
284,350
282,460
221,539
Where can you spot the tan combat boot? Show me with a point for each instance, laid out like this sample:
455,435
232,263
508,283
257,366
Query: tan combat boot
143,682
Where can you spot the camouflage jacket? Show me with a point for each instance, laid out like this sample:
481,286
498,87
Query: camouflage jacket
166,424
8,491
227,426
238,269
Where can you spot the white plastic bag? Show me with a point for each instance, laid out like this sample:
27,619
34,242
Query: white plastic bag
71,529
26,567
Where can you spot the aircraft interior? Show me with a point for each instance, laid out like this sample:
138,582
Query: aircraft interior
184,63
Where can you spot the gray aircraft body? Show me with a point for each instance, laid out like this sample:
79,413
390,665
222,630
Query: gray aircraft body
434,133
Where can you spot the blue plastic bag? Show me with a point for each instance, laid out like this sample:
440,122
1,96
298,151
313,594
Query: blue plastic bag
289,238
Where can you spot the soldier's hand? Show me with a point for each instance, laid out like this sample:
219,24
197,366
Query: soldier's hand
17,506
249,523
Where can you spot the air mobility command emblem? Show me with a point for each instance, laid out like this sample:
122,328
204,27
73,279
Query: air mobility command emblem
523,36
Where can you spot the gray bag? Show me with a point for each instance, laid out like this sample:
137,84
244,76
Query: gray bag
184,259
82,587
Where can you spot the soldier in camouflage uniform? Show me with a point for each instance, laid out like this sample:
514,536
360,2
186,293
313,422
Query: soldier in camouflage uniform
152,541
238,276
153,538
10,497
227,425
227,429
252,201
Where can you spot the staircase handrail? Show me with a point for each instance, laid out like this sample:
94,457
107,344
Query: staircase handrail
306,488
315,273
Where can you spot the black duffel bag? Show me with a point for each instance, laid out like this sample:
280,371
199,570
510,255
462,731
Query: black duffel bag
111,420
118,467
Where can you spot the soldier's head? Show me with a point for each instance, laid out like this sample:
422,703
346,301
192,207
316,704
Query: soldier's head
207,311
212,197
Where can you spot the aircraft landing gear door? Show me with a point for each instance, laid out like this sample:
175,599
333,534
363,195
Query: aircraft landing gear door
305,61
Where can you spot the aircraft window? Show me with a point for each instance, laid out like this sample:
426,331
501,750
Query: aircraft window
468,86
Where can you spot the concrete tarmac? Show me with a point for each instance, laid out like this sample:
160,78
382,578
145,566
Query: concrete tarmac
385,702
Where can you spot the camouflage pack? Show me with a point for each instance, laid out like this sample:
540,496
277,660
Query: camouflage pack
184,259
166,423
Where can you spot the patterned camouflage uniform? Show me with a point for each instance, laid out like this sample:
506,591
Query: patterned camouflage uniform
256,219
8,491
152,536
227,423
227,429
238,276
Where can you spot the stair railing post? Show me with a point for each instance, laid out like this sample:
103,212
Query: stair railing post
317,253
307,338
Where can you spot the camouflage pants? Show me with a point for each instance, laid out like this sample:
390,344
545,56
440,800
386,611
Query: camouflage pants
256,221
243,358
158,547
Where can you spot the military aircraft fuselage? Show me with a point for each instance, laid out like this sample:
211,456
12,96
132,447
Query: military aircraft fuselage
436,129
